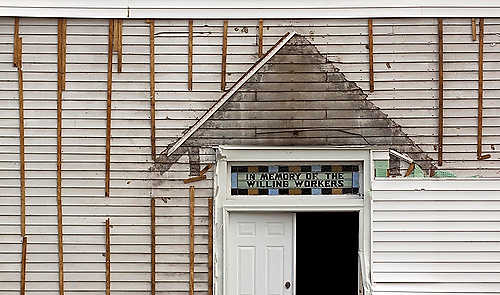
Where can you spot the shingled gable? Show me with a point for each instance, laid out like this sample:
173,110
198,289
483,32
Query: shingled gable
294,96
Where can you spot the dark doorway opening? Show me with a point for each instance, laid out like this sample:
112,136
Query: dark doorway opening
327,253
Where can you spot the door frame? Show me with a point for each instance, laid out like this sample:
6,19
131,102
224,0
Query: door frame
225,203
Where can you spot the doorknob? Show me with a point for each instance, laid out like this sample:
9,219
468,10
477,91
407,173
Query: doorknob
287,285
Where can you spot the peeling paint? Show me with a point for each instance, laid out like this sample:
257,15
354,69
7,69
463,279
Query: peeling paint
340,114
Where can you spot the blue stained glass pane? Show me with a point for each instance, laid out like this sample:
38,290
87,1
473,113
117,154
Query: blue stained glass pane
234,180
316,191
316,168
273,191
273,168
355,179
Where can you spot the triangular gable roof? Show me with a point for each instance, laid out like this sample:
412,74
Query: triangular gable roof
228,94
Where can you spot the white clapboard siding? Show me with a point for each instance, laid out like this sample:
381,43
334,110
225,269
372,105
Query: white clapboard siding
436,237
406,90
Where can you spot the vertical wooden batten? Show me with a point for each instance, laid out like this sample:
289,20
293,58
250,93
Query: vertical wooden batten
191,240
17,62
152,83
370,49
441,93
190,56
120,46
261,37
480,155
210,245
22,163
118,41
473,29
153,246
108,107
63,53
108,258
61,33
16,54
23,265
224,57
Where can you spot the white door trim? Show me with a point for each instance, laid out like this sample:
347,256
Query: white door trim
225,203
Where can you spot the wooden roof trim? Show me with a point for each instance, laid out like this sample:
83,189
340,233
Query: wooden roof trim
228,94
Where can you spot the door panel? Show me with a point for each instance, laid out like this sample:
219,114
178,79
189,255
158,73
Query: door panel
275,265
246,270
260,255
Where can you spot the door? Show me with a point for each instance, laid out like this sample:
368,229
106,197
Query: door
260,255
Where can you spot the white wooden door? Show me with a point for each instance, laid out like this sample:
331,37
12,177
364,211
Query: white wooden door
259,254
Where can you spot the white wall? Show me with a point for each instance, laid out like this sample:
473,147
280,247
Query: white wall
248,9
405,79
436,237
406,92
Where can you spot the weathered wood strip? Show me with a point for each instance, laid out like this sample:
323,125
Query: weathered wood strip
108,258
22,164
16,55
108,106
224,57
261,37
191,240
441,93
63,53
153,246
210,244
410,169
60,82
473,28
23,265
205,169
194,179
190,56
370,49
120,48
480,155
19,49
152,87
117,41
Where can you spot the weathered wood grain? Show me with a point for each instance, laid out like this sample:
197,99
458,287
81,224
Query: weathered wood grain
441,93
152,83
108,107
153,246
108,257
191,239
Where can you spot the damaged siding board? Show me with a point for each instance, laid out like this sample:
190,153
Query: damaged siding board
83,142
405,67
